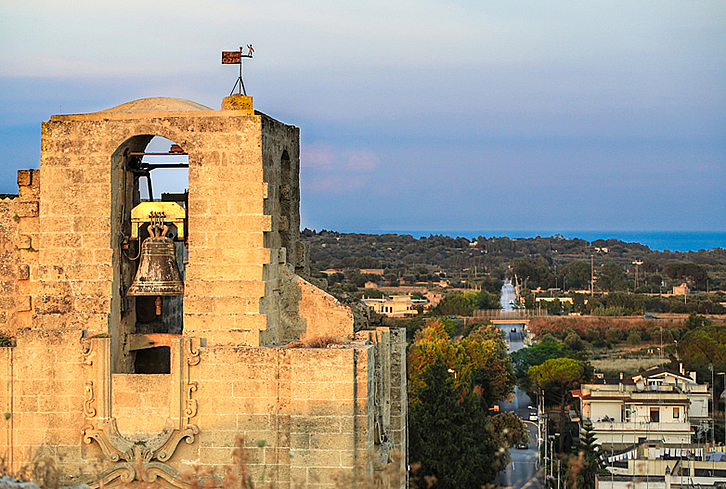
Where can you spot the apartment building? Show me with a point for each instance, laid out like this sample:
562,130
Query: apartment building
658,404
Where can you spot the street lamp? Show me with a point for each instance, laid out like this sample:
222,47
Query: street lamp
724,419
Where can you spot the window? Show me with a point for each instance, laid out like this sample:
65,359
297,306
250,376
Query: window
676,413
654,415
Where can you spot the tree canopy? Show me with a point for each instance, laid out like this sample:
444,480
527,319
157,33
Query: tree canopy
576,275
685,271
534,355
452,385
611,277
536,271
703,346
582,468
560,374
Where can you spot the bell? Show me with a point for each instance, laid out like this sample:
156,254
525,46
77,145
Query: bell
158,273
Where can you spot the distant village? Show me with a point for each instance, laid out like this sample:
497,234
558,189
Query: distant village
646,409
409,299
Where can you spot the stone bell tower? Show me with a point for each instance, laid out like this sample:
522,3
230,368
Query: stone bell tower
102,371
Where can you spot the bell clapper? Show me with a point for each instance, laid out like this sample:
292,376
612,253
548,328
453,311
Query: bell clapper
158,303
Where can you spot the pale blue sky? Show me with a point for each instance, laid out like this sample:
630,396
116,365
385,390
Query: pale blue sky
427,115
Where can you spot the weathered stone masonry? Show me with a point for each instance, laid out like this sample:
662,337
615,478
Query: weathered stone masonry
70,385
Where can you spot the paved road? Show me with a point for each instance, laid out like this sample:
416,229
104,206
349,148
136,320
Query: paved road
521,473
508,295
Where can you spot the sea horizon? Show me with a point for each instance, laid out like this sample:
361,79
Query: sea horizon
674,241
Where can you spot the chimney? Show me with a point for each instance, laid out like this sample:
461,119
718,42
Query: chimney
680,368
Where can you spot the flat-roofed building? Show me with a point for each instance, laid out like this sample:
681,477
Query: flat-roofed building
658,404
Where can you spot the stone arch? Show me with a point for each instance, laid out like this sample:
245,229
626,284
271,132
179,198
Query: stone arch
286,202
137,315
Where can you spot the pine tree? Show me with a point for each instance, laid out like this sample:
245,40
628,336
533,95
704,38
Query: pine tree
586,464
448,434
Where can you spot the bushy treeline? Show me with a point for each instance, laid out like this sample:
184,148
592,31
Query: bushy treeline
541,262
599,332
629,304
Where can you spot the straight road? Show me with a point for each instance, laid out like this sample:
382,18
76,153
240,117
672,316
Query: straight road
521,473
508,295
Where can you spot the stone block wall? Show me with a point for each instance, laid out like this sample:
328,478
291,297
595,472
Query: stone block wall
45,392
324,315
141,402
19,252
307,405
6,401
75,271
316,409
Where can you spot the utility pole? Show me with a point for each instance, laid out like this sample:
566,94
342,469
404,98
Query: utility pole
713,406
545,459
724,409
637,264
552,457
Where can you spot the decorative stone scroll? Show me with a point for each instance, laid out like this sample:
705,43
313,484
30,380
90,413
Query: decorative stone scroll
96,355
134,459
86,351
191,354
139,459
88,410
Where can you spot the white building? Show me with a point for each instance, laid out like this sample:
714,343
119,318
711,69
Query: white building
398,306
658,404
654,466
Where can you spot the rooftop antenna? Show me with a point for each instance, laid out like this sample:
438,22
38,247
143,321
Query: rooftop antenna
235,58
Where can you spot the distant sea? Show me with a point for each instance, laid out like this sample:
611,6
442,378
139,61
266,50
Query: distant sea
655,240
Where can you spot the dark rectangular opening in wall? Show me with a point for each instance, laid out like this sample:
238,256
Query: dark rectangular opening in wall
655,415
155,360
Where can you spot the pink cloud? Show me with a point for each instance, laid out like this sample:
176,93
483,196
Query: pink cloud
316,156
335,184
362,160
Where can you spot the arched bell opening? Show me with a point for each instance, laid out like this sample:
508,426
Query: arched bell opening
152,212
285,201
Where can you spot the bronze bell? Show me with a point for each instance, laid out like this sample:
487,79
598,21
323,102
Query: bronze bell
158,273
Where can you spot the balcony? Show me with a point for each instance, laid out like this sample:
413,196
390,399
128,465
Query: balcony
641,427
665,393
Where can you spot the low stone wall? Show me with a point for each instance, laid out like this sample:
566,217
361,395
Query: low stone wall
322,413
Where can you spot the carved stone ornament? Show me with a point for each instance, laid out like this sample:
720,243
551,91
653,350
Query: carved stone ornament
88,410
86,351
134,459
191,405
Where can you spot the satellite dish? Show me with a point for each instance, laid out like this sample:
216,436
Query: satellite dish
640,385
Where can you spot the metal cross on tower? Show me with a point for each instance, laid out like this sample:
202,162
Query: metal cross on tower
235,58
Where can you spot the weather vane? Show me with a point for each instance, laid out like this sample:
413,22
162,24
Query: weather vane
235,58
